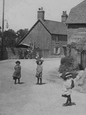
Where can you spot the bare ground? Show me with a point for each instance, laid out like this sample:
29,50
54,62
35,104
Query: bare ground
28,98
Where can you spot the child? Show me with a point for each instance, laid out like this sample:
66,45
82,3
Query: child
67,87
17,72
39,70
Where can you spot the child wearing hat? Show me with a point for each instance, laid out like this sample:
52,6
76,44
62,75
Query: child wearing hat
67,87
17,72
39,71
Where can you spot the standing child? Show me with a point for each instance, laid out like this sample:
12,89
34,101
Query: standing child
17,72
67,87
39,71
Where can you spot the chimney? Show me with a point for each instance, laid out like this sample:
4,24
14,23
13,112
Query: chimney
64,17
41,13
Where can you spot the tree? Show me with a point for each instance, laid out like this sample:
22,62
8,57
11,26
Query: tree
10,38
21,33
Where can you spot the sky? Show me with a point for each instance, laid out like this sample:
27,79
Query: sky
21,14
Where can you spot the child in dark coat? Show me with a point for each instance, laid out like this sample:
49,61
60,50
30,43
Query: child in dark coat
17,72
39,71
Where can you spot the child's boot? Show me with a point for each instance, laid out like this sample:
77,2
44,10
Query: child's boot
40,81
15,81
69,101
37,80
66,104
19,81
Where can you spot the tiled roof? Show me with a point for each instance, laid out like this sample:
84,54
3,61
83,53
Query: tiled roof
55,27
77,14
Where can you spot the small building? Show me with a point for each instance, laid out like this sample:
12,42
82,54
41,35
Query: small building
47,37
76,31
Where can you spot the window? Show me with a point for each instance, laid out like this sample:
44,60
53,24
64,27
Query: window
55,38
62,38
56,50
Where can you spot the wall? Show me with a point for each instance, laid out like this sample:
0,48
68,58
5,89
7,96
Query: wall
40,37
59,42
10,53
77,56
74,28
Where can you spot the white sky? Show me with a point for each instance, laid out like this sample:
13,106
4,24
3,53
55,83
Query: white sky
22,14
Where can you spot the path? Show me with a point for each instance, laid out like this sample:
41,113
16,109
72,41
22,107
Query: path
26,99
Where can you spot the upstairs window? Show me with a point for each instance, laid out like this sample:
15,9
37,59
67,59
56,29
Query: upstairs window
55,38
62,38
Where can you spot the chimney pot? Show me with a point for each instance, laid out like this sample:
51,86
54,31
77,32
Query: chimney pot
64,16
41,13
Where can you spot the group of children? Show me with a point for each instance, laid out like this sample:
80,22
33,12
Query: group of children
67,77
17,71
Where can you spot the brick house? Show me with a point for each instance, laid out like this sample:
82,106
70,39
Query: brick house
76,31
50,37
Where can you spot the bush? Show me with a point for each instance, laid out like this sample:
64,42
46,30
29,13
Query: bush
67,60
67,63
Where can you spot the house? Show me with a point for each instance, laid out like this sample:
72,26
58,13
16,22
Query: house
47,37
76,31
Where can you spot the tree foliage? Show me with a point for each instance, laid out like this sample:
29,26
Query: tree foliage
21,33
67,63
9,38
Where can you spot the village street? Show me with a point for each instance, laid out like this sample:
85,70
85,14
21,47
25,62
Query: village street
28,98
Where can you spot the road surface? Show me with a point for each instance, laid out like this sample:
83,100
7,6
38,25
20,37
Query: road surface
28,98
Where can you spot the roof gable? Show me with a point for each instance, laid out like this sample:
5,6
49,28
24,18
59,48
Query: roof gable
52,27
32,29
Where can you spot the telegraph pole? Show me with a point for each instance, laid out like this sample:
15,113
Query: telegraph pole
2,45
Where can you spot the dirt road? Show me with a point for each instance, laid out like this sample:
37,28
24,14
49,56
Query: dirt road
28,98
